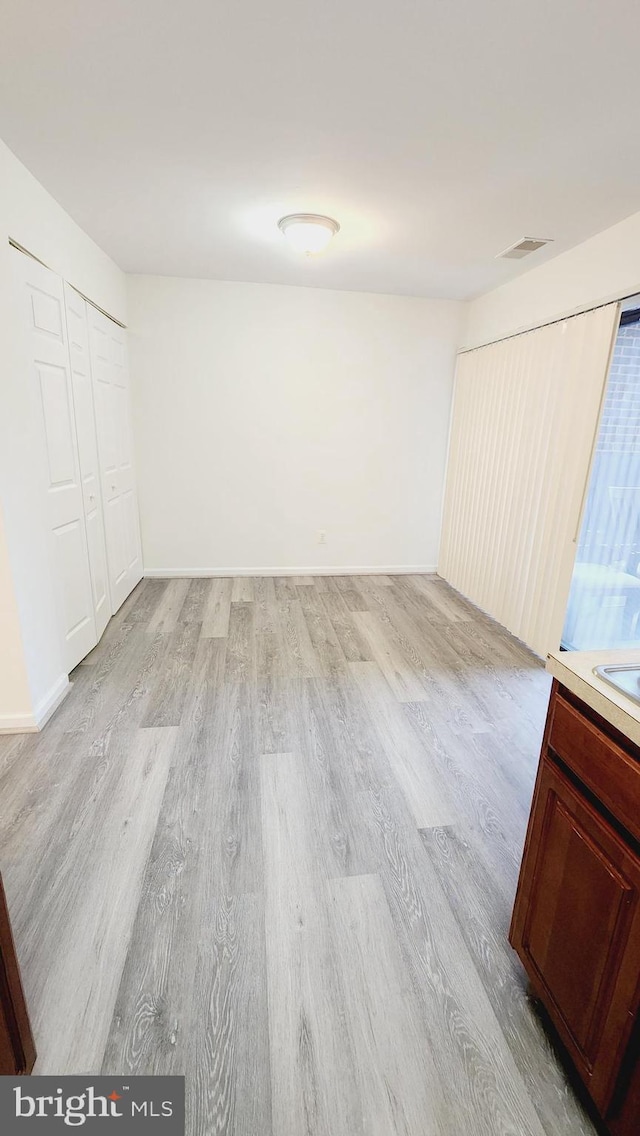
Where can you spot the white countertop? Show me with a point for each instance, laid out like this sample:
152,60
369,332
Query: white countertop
574,669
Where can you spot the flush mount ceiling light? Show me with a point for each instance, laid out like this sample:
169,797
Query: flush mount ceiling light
308,233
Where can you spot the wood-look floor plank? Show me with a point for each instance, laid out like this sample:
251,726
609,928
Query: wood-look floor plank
11,747
228,1050
376,578
150,1025
483,912
302,658
264,597
196,1002
313,1080
25,749
242,590
469,1049
330,656
215,619
339,612
165,617
423,786
400,1090
271,653
114,645
494,813
402,679
285,589
278,708
354,599
336,828
196,600
134,613
406,620
334,721
445,605
120,687
71,965
146,597
65,765
241,644
169,691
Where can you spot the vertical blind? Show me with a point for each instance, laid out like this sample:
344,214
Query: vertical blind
524,420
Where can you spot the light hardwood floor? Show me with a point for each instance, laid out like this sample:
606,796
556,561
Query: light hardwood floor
271,841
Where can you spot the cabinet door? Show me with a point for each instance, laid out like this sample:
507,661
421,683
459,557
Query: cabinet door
111,393
17,1051
78,332
47,358
577,927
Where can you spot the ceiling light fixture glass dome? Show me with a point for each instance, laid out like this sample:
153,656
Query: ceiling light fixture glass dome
308,233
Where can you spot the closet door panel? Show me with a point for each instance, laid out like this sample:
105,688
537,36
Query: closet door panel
127,469
111,387
98,562
69,553
78,331
115,547
131,534
58,431
46,352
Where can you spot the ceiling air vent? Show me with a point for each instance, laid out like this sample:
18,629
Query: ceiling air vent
523,248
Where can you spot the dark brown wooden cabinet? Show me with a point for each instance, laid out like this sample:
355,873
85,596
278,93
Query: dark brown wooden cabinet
576,920
17,1051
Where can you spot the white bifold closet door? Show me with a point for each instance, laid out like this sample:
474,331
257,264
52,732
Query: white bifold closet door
78,332
524,421
46,354
115,452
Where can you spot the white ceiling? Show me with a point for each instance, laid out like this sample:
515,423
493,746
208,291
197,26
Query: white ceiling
176,132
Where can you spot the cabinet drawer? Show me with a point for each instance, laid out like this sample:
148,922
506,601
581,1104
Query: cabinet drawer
602,765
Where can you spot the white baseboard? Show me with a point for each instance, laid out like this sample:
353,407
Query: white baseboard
49,704
351,570
18,724
32,723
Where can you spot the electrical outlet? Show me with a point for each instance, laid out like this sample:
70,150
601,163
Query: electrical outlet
322,536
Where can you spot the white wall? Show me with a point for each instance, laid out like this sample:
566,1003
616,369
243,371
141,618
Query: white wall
30,663
604,268
265,413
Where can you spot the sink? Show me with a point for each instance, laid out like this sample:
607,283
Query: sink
626,679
